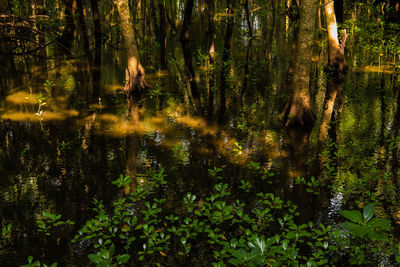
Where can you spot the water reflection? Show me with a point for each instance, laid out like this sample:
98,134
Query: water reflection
89,137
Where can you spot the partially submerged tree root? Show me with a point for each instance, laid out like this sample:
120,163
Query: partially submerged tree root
296,114
136,85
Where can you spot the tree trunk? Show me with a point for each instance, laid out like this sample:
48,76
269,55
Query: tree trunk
298,110
163,34
96,67
336,59
248,48
225,60
135,75
82,24
67,37
210,9
187,53
337,65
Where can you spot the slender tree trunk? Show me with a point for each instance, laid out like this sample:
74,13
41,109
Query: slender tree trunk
336,59
337,65
97,27
187,53
39,10
135,74
163,34
96,67
67,37
299,110
248,48
225,60
210,7
82,24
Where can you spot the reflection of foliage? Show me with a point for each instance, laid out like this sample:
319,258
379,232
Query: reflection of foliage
5,234
64,146
181,152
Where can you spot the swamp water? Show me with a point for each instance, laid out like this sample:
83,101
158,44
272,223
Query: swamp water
66,136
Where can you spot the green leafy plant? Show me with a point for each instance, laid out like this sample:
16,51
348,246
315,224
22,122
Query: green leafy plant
364,225
50,221
215,172
32,263
41,102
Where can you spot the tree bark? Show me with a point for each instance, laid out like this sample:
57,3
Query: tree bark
187,53
337,66
82,24
96,67
135,74
67,37
248,48
162,35
299,111
336,59
225,60
210,9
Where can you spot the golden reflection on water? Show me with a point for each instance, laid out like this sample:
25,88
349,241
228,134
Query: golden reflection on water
46,115
22,97
113,88
386,69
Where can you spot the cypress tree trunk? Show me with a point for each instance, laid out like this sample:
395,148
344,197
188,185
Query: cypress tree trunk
82,24
336,67
135,74
248,48
299,110
211,54
65,40
225,60
336,59
162,34
187,53
96,67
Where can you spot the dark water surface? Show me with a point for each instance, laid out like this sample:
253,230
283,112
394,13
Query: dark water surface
65,136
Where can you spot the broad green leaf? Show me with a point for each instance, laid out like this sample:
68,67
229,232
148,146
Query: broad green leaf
123,258
377,236
95,258
380,224
239,253
369,211
352,215
349,226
